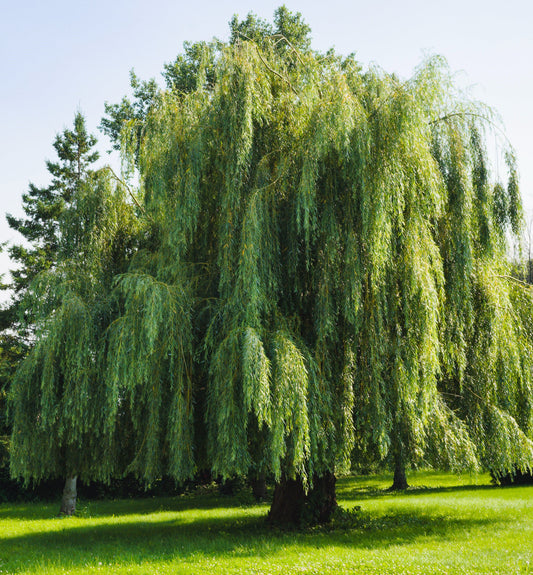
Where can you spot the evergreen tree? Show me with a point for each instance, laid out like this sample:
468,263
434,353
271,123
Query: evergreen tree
43,207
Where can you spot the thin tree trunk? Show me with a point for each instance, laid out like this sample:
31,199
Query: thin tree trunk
259,488
68,501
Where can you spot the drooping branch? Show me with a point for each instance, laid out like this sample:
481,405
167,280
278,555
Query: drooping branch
516,280
282,37
451,115
447,117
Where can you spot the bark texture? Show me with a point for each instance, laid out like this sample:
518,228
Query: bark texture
287,503
292,507
322,499
68,501
399,482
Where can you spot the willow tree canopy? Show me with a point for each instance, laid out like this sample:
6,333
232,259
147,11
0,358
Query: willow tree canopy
327,243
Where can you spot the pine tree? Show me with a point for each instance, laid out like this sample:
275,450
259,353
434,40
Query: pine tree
43,207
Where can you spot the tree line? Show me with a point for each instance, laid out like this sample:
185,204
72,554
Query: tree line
311,274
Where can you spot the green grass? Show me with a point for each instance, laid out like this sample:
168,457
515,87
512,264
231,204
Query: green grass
444,524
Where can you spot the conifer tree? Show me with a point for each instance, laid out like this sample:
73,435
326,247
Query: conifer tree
43,207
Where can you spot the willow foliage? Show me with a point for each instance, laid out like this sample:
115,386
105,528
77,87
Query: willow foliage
59,424
326,233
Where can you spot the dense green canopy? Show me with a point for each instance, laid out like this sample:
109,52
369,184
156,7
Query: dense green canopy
58,401
321,273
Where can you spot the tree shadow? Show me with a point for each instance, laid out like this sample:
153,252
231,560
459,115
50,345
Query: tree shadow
184,539
364,493
203,499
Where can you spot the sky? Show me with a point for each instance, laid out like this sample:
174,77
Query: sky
59,56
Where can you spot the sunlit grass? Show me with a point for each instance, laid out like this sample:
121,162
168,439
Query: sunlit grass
444,524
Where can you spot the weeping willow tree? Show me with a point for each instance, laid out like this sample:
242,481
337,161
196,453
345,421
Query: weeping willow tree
327,277
486,374
322,277
58,400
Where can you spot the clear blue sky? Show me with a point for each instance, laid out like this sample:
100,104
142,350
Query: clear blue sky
58,56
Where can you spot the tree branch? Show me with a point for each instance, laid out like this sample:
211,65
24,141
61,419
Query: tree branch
447,117
128,189
265,64
520,282
282,37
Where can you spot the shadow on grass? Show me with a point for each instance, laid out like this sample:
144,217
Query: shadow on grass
365,492
106,508
186,539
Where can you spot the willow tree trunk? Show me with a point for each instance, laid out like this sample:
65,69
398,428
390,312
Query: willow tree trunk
68,501
287,503
400,479
292,507
322,499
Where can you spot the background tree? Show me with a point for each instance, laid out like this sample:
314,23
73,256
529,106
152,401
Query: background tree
40,228
11,353
486,344
60,402
194,69
129,114
43,208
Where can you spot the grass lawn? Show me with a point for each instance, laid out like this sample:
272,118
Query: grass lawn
444,524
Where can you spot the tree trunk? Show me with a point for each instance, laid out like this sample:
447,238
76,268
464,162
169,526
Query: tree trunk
322,499
399,482
259,488
288,503
292,507
68,501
